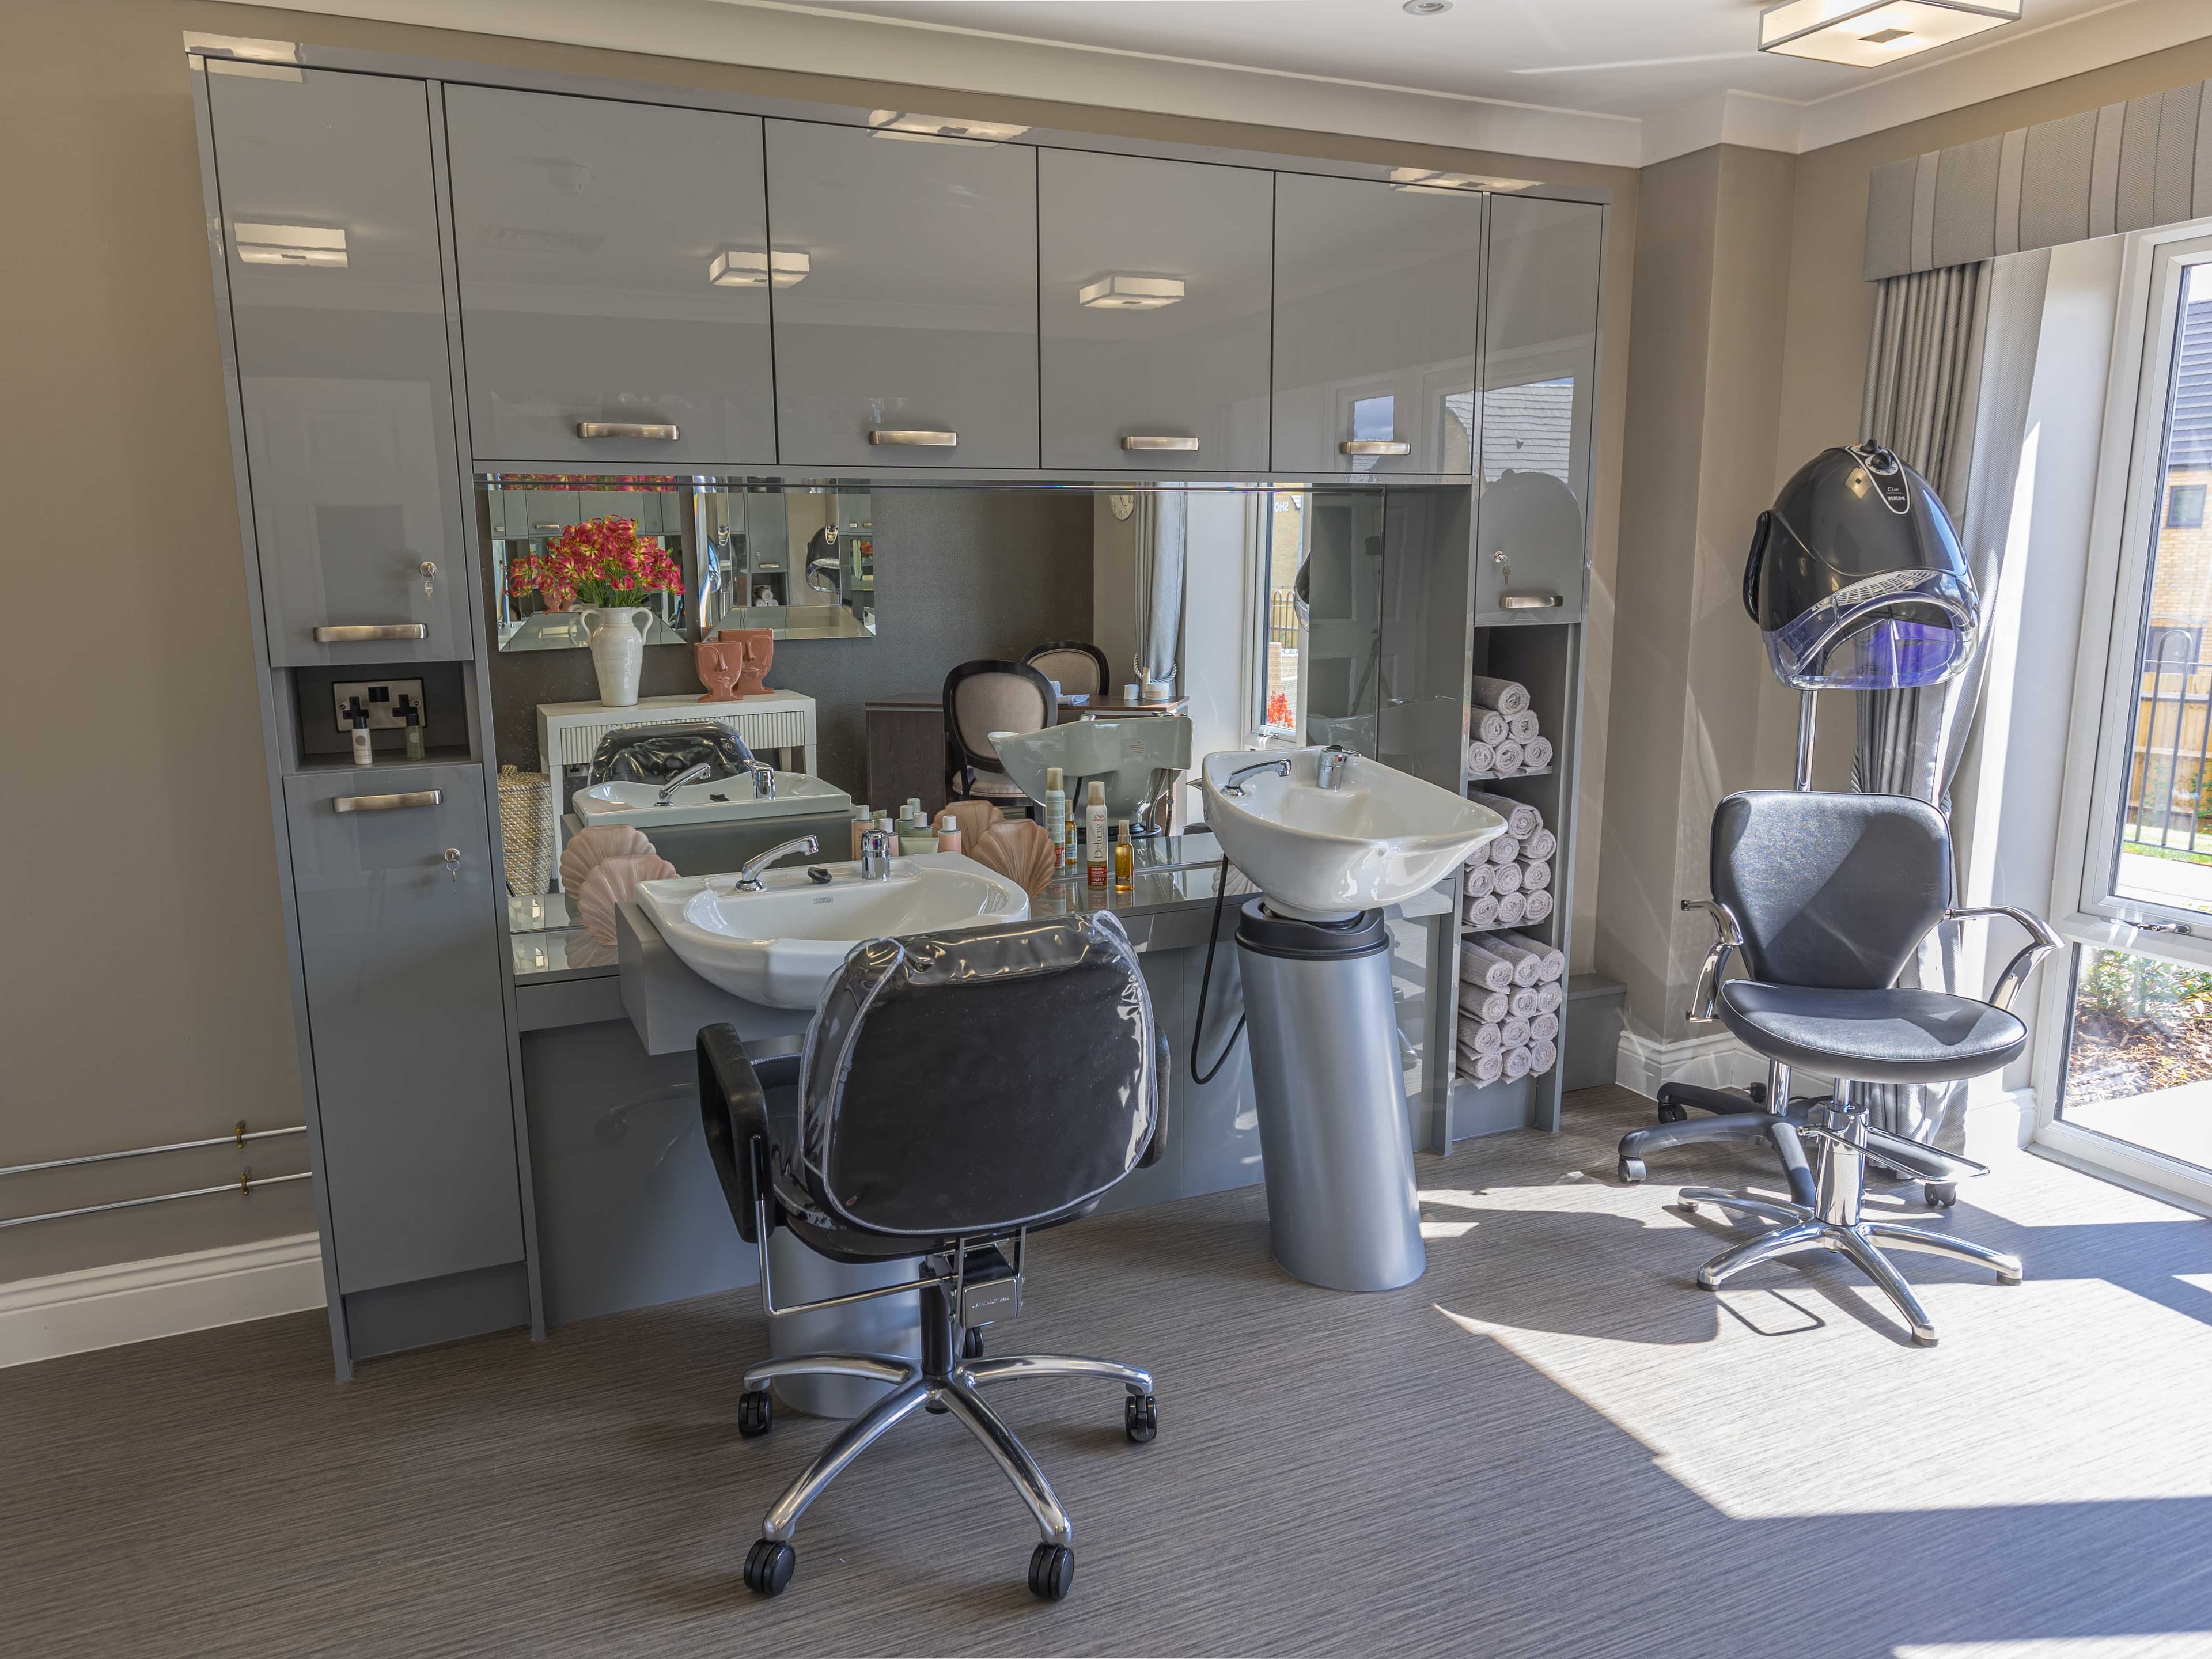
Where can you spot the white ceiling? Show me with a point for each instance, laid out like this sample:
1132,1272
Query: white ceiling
1528,77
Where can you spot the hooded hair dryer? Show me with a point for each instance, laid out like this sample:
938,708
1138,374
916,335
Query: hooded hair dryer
1856,577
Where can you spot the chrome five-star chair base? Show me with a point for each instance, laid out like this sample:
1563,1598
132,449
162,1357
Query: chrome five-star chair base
1836,1222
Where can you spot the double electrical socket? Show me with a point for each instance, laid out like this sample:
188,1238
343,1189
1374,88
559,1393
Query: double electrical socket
386,700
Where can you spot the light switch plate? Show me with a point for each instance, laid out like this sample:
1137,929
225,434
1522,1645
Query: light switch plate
382,698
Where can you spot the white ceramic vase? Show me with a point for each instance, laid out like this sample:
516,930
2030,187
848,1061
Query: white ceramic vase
617,637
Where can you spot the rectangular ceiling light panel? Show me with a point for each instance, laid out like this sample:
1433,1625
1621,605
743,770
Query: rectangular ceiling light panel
1868,34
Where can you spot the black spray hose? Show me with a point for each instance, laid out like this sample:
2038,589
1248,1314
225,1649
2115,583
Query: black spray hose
1206,980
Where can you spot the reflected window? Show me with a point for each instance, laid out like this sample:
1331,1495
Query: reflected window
2139,1052
1286,631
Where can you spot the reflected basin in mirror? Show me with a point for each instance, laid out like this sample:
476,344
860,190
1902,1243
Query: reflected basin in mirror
779,947
1379,838
796,795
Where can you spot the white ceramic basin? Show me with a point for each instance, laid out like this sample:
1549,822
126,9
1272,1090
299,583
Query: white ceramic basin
1378,838
724,800
1128,757
778,947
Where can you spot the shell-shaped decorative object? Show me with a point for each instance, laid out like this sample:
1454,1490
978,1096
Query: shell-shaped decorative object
976,818
614,882
602,840
1018,849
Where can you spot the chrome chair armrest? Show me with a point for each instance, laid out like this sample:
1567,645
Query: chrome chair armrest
2041,943
1730,938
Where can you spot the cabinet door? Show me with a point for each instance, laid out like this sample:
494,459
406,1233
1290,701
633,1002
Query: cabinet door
407,1022
1377,307
1154,309
1539,382
915,323
337,304
613,265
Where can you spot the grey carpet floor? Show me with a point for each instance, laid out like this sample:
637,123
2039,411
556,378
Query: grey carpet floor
1552,1444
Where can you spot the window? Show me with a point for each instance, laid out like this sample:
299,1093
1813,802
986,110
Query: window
1281,687
2184,507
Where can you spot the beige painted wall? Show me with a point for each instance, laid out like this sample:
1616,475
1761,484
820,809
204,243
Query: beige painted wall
145,997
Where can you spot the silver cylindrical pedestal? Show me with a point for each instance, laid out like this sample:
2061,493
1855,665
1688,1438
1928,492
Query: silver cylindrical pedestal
883,1324
1333,1137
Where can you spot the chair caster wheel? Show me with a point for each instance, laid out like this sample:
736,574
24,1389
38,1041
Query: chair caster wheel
767,1566
1632,1170
1672,1114
1140,1419
971,1345
755,1415
1052,1571
1687,1206
1938,1194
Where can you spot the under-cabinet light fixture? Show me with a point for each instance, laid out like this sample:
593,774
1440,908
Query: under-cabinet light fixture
938,129
1428,179
287,245
1120,293
1868,34
735,267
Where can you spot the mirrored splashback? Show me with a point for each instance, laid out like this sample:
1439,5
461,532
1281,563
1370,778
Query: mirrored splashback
699,554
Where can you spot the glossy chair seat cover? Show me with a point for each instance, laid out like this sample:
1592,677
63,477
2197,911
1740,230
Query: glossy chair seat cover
1887,1036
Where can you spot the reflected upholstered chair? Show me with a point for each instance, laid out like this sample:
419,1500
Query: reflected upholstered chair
1078,665
982,697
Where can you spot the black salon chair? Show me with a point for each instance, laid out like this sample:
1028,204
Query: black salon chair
1826,897
982,697
956,1092
1078,665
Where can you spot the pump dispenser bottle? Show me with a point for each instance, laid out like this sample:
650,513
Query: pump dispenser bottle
1056,813
362,754
1125,859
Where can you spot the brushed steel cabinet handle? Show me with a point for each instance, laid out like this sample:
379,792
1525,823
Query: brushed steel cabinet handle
922,440
1531,600
1182,445
1374,446
388,802
344,633
660,430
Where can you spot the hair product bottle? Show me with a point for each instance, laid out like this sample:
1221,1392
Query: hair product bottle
948,834
1095,854
1056,813
362,754
1125,859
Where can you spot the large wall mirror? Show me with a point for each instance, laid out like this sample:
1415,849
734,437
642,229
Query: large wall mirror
700,554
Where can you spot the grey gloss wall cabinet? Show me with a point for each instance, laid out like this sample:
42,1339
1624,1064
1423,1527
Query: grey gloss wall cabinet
1539,382
338,312
917,316
612,260
406,1003
1377,301
1120,372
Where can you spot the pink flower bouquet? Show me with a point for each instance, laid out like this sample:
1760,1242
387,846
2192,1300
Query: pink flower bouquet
602,562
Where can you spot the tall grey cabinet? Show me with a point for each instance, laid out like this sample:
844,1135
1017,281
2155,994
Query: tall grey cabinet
336,298
614,280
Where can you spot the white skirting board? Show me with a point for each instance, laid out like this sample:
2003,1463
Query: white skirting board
138,1301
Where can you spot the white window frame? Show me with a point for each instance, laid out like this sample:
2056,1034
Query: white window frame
2129,506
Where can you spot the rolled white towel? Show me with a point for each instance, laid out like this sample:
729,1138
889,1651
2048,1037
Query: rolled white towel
1553,997
1507,696
1483,1068
1481,878
1524,1001
1543,1028
1552,962
1535,754
1504,850
1479,966
1535,907
1482,760
1535,875
1486,1038
1521,726
1517,1062
1513,910
1521,820
1482,911
1540,845
1489,726
1542,1056
1527,966
1507,757
1504,878
1513,1033
1480,1003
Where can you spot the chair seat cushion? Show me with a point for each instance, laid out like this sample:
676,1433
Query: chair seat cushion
1873,1037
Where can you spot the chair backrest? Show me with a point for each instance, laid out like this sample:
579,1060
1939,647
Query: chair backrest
1833,891
1079,666
985,696
978,1081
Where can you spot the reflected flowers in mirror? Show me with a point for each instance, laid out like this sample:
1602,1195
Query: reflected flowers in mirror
600,562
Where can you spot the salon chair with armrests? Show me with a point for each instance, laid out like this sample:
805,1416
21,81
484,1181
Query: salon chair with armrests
1826,897
956,1092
